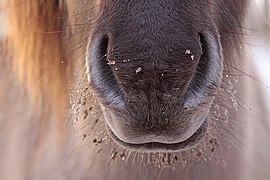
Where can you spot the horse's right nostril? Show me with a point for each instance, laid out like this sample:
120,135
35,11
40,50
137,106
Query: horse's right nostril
207,77
102,78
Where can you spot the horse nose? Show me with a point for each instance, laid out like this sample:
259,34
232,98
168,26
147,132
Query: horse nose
147,99
120,80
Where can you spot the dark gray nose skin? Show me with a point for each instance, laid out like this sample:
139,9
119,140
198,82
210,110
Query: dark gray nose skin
157,82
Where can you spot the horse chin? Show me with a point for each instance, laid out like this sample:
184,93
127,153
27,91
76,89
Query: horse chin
191,141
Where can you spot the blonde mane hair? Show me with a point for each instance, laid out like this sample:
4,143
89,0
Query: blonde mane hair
35,44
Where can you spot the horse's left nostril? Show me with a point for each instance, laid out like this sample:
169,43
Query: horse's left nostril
101,73
207,77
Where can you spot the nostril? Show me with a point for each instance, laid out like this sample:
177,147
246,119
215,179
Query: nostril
102,78
103,46
207,77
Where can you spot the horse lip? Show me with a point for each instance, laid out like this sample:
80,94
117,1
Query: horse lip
189,143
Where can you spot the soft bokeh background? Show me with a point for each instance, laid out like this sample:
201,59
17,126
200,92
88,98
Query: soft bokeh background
258,49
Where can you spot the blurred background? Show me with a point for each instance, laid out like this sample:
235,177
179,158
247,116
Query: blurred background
258,48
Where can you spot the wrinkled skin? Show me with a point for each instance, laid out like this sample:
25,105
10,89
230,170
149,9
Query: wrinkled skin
153,97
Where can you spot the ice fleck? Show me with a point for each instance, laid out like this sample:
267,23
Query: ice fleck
230,86
235,105
139,69
111,62
192,57
123,156
126,60
216,111
226,115
188,51
235,80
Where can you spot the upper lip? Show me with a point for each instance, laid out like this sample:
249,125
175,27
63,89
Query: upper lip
192,141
